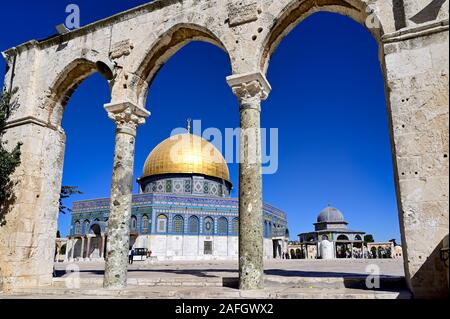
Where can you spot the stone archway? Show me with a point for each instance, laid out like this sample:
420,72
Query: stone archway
164,48
408,152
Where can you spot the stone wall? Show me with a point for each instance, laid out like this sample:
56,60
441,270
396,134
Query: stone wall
413,38
418,84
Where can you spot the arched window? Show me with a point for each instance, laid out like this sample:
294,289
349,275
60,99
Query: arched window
194,225
178,225
133,223
161,224
144,223
342,237
235,227
208,226
357,237
78,228
96,230
85,229
325,237
222,226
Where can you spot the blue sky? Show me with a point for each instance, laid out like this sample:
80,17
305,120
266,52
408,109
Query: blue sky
327,101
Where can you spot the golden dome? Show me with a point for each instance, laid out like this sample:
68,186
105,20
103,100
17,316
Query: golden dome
186,154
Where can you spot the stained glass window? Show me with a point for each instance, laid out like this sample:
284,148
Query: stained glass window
85,229
208,226
222,226
144,223
162,224
178,224
77,227
235,226
133,223
194,225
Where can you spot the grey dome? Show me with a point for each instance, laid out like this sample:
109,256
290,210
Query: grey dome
330,214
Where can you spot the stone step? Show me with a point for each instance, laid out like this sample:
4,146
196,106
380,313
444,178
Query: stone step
210,293
142,282
356,282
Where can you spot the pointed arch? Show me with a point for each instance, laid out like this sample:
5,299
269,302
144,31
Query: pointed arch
297,11
169,43
64,86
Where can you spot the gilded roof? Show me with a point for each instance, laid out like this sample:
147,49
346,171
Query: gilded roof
186,154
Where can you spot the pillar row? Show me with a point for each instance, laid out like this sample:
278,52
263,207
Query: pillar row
127,118
250,89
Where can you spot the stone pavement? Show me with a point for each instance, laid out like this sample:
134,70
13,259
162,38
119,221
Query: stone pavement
300,279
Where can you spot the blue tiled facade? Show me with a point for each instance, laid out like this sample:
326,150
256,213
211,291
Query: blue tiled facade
148,208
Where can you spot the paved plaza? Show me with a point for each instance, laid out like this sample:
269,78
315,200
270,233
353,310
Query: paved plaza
218,279
215,269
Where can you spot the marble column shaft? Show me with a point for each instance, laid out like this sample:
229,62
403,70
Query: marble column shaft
250,89
74,241
102,248
88,248
82,248
127,117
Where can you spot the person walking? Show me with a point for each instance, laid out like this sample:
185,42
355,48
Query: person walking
130,256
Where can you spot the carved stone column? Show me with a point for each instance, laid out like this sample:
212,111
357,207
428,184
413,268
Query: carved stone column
250,90
127,117
82,249
102,248
88,248
74,242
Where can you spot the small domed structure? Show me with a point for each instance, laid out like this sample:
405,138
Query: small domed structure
330,218
332,238
330,214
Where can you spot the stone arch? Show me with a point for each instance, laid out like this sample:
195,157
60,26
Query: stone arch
95,229
342,237
62,89
293,255
167,45
297,11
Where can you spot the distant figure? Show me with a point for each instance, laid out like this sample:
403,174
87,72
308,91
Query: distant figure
149,253
130,256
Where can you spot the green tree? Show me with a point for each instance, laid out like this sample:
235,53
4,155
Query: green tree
9,160
368,239
66,192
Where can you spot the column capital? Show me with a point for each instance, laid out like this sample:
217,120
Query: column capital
127,115
249,86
